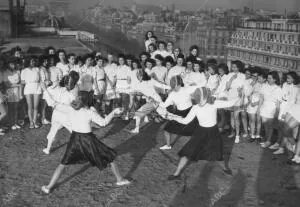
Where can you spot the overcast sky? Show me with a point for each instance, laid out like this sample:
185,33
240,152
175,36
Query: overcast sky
279,5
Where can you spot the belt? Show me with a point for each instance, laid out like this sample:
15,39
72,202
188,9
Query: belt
101,79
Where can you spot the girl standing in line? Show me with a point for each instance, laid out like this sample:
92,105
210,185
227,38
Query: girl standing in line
45,78
63,63
269,106
259,80
12,80
123,85
30,76
83,145
100,79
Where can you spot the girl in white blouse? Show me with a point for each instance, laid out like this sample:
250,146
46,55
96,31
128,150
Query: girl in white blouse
84,145
55,73
259,80
220,92
180,103
63,64
178,69
65,93
236,80
30,76
213,80
123,85
189,74
206,141
269,106
199,76
288,97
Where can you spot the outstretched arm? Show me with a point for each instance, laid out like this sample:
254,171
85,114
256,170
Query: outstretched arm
190,117
104,121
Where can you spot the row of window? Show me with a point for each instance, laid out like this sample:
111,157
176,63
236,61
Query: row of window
264,59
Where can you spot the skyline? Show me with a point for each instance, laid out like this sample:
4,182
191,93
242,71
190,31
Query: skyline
278,5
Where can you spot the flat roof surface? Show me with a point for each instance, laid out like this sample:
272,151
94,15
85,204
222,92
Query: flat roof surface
67,43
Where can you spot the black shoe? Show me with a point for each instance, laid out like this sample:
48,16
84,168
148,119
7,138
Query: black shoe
174,177
258,140
251,140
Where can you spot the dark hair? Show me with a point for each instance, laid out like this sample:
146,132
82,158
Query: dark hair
42,59
144,53
153,36
262,74
46,51
170,42
212,61
135,60
238,64
201,65
213,66
74,75
224,67
154,46
79,58
61,50
194,47
150,61
256,69
15,49
71,55
180,55
146,34
84,99
275,76
28,60
53,57
178,49
129,57
145,76
170,60
88,56
159,57
121,56
294,75
161,42
99,57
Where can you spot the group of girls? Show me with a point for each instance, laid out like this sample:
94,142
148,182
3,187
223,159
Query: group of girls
199,100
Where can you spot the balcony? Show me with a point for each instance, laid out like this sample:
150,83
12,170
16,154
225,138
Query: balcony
271,29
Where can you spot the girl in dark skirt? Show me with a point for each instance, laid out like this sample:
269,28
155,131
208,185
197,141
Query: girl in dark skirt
206,142
83,145
179,102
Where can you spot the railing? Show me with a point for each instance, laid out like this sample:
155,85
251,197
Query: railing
270,29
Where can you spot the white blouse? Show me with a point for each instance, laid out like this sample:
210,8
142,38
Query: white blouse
122,74
160,72
212,82
222,85
163,53
65,69
176,70
271,94
80,120
30,75
207,114
111,73
148,88
55,75
181,99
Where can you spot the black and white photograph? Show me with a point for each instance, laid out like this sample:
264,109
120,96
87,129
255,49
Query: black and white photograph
149,103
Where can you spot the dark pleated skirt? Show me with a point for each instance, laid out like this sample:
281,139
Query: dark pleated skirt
174,127
205,144
85,147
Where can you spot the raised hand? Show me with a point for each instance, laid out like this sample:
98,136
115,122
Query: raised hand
118,111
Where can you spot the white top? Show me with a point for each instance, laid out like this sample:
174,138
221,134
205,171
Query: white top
191,78
212,82
122,74
236,83
207,114
159,71
163,53
181,99
13,77
111,73
55,75
288,97
30,75
133,77
148,88
222,85
75,68
60,95
65,69
80,120
271,94
100,82
176,70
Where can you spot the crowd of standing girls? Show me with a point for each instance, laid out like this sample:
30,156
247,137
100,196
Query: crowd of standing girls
251,102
